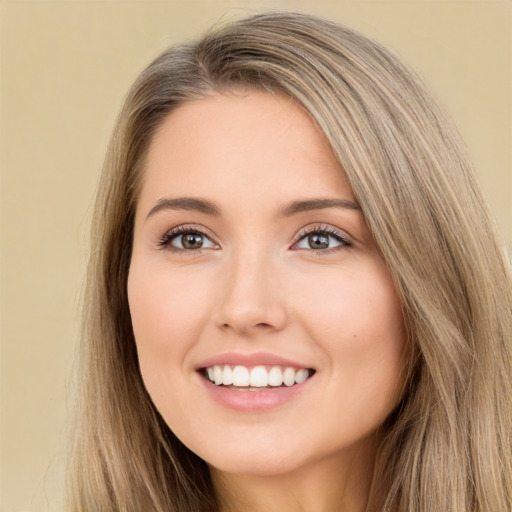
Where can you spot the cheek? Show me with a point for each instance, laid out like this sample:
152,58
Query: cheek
166,314
356,318
165,306
357,305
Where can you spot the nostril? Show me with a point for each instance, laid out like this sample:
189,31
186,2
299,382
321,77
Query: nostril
239,327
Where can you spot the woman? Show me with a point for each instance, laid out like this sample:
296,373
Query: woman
296,299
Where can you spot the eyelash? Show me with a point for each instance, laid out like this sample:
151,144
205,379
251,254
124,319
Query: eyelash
326,231
165,241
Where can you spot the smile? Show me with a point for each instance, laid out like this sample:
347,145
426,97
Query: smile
256,378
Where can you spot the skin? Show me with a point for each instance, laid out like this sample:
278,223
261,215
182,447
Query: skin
256,285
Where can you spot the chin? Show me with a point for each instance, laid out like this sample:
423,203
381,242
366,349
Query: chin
265,466
252,458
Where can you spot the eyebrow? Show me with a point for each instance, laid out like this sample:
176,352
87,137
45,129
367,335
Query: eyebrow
316,204
209,208
185,203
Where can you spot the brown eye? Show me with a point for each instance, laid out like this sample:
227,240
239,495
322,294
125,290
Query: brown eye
182,239
318,241
191,241
323,240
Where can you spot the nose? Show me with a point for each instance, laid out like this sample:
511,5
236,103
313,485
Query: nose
250,300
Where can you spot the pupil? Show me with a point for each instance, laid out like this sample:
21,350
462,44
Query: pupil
318,241
192,241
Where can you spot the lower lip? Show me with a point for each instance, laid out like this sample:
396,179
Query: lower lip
254,401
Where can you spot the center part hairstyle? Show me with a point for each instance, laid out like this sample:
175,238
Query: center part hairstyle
447,446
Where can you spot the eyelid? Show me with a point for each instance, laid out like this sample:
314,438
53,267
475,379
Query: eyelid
164,241
346,240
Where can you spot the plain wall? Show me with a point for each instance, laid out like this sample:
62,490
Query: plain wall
64,69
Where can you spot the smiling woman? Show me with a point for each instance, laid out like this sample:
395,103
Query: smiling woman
296,299
281,285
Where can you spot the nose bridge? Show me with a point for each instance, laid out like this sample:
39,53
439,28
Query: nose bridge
251,297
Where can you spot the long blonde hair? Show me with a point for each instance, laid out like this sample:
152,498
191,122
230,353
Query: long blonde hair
448,446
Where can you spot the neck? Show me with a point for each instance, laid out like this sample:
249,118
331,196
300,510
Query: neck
339,483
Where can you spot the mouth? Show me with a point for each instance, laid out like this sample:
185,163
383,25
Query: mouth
255,378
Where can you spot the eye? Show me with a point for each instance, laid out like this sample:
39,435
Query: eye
186,239
323,240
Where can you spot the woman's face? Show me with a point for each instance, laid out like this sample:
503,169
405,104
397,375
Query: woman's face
253,267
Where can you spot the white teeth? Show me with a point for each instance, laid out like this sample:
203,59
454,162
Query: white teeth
275,376
217,375
240,376
289,377
257,377
301,376
228,376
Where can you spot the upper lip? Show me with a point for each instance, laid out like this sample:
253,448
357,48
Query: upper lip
253,359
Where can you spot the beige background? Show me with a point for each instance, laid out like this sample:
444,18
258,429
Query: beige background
64,68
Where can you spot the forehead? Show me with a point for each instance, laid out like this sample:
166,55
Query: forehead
239,146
